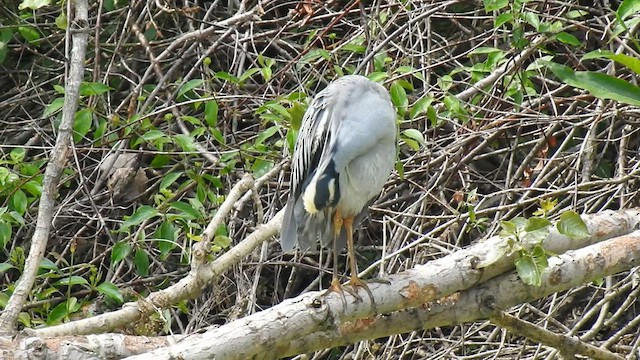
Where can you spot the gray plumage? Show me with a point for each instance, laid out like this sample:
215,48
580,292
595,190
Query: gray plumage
344,153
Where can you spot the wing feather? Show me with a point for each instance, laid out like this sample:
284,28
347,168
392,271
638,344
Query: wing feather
314,135
312,139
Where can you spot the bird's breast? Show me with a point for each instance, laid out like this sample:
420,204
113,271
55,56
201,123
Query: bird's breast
364,177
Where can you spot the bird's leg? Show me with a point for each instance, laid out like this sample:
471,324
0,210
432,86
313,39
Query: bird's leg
336,286
355,281
337,226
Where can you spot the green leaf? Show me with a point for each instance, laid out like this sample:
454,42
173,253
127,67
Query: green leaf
192,120
17,217
142,214
538,233
494,5
420,107
509,228
354,48
412,144
571,225
151,136
110,290
315,54
24,318
165,235
536,223
47,264
399,166
266,134
415,135
599,85
61,21
188,212
267,73
93,88
71,281
223,75
120,251
5,233
190,85
532,19
82,124
405,85
7,178
628,8
160,160
33,4
211,113
502,19
222,240
101,129
261,167
217,134
296,112
169,179
248,74
29,33
432,115
568,39
546,206
5,38
378,76
186,142
626,60
485,50
4,267
18,202
399,97
58,313
54,107
17,155
141,261
278,109
445,82
530,266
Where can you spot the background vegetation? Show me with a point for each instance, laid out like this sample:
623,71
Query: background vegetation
506,109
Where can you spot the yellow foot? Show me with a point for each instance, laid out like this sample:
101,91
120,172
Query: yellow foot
355,282
336,286
352,288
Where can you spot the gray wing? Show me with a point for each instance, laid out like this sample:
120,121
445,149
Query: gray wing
314,135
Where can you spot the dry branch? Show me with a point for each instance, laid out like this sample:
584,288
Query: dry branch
312,321
58,158
518,143
292,326
480,302
566,344
186,288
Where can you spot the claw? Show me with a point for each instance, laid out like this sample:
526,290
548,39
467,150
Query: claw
355,282
337,287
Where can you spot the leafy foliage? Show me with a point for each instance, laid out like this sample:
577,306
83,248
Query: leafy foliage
499,107
525,238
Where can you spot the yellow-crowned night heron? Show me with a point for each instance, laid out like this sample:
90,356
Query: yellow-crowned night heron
344,153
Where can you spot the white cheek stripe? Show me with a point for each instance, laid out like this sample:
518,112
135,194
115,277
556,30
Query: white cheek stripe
308,196
332,190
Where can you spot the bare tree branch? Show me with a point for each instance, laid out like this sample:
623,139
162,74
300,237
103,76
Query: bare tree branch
79,31
311,321
567,344
186,288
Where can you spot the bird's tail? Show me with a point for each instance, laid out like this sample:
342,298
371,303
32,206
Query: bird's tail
305,229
